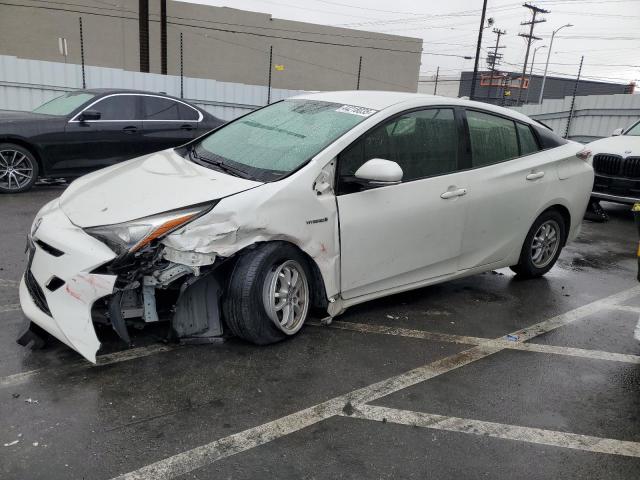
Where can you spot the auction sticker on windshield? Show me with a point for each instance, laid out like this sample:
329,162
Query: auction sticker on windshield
353,110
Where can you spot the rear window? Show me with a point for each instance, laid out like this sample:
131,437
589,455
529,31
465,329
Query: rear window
493,139
187,113
528,142
157,108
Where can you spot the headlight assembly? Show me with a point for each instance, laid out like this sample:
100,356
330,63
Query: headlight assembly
129,237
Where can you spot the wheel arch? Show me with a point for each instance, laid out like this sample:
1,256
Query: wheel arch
566,215
27,145
318,290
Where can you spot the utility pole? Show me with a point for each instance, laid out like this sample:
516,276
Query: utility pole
533,61
573,99
530,38
496,57
270,67
84,78
359,72
435,87
475,66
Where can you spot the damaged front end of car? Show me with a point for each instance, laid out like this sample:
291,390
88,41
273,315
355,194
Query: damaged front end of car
155,282
120,275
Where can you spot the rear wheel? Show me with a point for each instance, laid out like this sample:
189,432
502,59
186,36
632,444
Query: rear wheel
18,168
269,295
542,246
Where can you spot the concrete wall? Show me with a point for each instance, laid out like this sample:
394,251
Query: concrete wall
594,116
219,43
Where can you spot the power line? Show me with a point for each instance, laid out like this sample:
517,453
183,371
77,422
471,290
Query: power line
220,29
530,38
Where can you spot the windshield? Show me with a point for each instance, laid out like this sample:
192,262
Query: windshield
272,142
634,131
65,104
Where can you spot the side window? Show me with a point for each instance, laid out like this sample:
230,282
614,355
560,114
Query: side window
187,113
528,142
157,108
118,107
493,138
423,143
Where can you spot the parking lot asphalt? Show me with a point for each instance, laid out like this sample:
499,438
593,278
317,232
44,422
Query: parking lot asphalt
485,377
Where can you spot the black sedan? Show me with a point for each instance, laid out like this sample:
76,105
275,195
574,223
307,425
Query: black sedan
86,130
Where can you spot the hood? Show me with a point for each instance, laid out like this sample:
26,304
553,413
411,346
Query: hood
623,145
15,116
145,186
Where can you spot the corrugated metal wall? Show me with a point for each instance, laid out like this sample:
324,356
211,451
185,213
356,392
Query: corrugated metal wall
595,116
26,84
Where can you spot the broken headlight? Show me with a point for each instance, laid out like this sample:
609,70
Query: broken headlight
129,237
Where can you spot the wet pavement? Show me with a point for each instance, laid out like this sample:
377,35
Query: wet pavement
449,381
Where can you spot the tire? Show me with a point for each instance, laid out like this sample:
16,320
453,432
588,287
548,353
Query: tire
532,262
249,304
18,168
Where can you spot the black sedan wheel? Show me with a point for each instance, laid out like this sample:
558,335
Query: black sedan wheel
18,168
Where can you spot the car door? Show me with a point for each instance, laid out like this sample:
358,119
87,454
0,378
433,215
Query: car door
406,233
508,182
112,138
167,123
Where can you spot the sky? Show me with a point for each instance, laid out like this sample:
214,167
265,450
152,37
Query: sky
606,32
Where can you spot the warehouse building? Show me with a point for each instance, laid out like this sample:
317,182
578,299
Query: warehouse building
218,43
502,88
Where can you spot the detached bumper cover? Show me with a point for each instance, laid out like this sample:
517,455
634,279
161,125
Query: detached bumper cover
57,291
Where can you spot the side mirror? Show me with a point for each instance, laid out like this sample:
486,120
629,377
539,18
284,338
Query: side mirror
90,115
378,172
617,131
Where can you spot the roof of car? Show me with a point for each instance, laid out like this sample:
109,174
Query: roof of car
379,100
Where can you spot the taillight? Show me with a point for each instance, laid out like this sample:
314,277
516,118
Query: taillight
584,154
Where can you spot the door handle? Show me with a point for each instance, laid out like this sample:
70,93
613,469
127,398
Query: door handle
187,127
535,176
454,193
130,129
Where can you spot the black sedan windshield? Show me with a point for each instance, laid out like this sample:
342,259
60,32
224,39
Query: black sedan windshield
65,104
272,142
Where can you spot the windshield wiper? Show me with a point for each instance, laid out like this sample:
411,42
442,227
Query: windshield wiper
225,167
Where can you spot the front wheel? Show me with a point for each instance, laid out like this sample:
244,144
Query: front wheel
18,168
542,246
268,296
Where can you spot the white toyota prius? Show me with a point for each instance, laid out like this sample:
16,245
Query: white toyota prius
321,201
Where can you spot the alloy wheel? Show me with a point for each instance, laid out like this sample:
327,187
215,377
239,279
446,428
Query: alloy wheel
286,296
16,169
545,244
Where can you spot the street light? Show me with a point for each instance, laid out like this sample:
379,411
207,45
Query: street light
533,60
544,78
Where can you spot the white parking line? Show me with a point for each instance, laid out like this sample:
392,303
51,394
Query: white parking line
8,283
102,360
626,308
498,430
403,332
573,315
511,343
576,352
207,454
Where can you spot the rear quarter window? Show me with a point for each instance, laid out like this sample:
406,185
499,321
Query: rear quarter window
547,138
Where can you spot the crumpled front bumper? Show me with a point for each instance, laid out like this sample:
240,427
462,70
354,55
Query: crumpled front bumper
61,252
